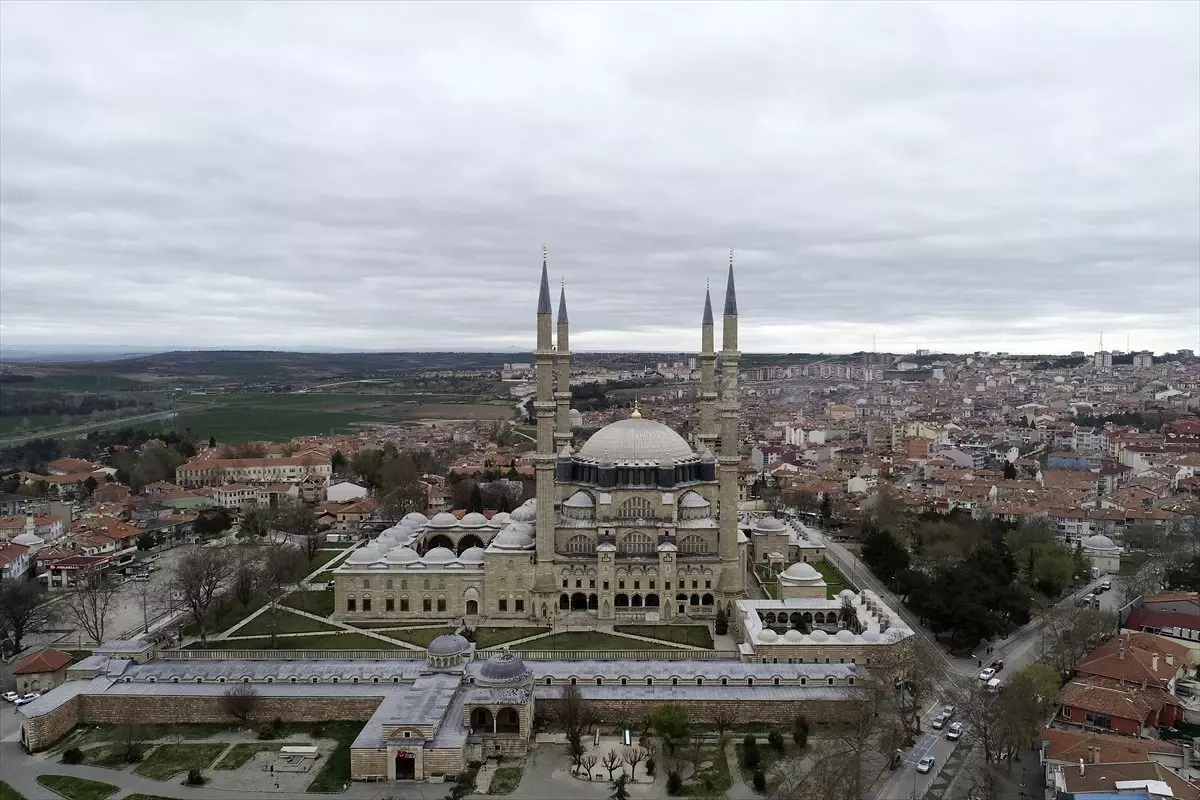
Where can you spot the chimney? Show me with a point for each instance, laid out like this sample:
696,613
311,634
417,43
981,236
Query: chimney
1081,766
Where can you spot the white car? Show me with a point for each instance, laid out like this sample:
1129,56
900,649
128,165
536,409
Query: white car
27,698
955,731
987,674
925,764
939,722
10,697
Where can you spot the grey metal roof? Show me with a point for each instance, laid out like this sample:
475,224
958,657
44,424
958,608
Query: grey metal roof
562,306
505,666
692,694
448,645
544,294
636,439
665,670
708,317
730,293
282,671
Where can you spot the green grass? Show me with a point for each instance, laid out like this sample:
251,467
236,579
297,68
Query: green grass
140,796
419,636
1132,562
74,788
835,584
9,793
27,423
335,770
107,733
492,636
236,613
379,626
714,779
324,557
106,755
695,635
332,641
285,622
241,754
587,640
768,756
506,780
319,603
169,760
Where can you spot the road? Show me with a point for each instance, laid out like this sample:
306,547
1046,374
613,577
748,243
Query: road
58,433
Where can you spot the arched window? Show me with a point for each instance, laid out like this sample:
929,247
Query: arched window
636,544
693,544
636,508
426,586
388,585
404,584
580,544
366,583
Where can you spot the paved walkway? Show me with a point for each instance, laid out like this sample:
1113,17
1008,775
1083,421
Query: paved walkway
738,789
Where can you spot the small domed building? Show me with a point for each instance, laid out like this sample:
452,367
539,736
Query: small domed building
1102,553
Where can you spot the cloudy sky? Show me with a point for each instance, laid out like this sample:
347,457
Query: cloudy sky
957,176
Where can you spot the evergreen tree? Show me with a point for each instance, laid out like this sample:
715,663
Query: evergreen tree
475,502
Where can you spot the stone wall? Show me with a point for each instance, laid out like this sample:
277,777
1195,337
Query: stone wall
43,731
631,712
448,761
368,765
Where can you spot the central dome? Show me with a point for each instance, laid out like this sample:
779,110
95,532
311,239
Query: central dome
636,439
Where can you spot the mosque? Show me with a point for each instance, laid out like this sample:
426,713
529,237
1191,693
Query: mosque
635,525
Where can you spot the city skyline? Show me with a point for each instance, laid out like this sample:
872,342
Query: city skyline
378,177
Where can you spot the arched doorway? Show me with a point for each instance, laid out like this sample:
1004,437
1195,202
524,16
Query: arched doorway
406,766
636,601
468,541
681,600
621,601
579,602
651,601
593,602
472,607
508,721
441,540
564,602
481,720
707,600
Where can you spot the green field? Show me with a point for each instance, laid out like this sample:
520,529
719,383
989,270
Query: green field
695,635
319,603
331,641
33,422
74,788
235,418
285,622
169,760
835,584
587,640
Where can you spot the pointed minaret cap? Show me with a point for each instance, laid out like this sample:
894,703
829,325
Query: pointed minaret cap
730,294
544,295
708,318
562,304
637,409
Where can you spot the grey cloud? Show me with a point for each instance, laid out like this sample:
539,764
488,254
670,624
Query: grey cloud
997,176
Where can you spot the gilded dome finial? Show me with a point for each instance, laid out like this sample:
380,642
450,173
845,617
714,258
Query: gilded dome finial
637,409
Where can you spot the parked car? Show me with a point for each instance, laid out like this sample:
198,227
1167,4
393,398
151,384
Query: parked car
955,731
27,698
948,711
925,764
1106,585
998,664
939,722
10,697
987,674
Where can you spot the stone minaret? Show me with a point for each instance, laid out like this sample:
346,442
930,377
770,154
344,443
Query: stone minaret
543,458
732,578
562,378
708,381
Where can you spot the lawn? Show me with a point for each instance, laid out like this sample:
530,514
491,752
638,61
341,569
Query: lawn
419,636
74,788
768,756
235,614
695,635
491,636
506,780
285,622
240,754
835,584
146,797
322,558
9,793
319,603
1132,562
714,779
106,755
335,772
169,760
587,640
332,641
107,733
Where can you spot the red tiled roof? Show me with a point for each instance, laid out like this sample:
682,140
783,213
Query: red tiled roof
42,661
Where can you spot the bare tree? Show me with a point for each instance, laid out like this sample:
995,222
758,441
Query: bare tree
724,718
240,702
576,716
1070,631
89,603
281,569
576,750
587,763
611,762
243,584
634,756
198,578
300,524
149,599
23,609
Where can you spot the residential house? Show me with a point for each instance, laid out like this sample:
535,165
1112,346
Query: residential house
71,466
41,671
1069,747
12,505
345,492
15,561
1131,780
201,471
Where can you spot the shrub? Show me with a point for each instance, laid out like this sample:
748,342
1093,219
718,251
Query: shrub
133,755
72,756
266,732
649,766
776,740
721,625
195,778
800,730
750,743
760,781
674,783
751,757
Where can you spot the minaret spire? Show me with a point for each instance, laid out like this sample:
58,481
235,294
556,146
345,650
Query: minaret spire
708,317
562,303
562,376
730,293
707,434
544,294
544,407
732,583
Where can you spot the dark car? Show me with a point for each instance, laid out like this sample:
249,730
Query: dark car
998,664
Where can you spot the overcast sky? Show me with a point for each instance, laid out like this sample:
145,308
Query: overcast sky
957,176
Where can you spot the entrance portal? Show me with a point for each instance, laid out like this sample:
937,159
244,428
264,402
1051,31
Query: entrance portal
406,766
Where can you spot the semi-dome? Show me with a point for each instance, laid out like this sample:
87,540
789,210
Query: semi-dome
450,644
768,636
414,518
401,555
801,571
579,500
443,520
499,519
473,520
1099,541
636,439
768,524
504,667
693,500
472,555
439,555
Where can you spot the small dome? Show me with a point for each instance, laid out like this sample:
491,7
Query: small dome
401,555
472,555
579,500
504,667
768,524
846,594
444,520
693,500
364,555
450,644
512,538
844,636
1099,542
527,512
768,636
818,635
707,457
793,636
800,571
870,637
498,520
439,555
414,518
28,539
473,520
